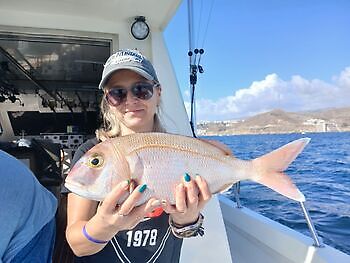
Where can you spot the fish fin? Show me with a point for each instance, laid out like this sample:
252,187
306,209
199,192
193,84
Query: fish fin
221,146
270,167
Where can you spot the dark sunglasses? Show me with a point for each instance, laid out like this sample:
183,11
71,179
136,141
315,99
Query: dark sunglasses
141,90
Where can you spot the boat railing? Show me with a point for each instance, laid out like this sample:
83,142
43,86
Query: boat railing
310,224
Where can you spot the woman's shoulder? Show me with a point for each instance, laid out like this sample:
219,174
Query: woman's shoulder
83,148
87,145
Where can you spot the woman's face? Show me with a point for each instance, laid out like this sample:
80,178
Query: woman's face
136,115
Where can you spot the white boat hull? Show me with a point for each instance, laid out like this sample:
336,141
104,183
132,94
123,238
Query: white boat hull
255,238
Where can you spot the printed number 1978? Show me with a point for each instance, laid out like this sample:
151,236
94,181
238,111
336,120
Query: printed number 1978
142,238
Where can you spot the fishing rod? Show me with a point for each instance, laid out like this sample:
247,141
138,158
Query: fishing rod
193,75
194,69
195,65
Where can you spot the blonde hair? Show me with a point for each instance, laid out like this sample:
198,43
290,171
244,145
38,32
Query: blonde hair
110,127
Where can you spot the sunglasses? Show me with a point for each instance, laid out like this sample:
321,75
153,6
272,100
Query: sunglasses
141,90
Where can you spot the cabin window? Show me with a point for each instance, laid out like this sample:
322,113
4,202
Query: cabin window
55,62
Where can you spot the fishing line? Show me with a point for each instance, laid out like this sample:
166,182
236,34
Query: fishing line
208,20
199,21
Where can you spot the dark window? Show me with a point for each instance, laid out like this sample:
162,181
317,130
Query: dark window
36,123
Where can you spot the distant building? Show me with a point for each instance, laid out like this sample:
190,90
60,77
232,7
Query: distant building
320,125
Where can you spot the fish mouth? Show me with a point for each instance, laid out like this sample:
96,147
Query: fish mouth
77,189
73,185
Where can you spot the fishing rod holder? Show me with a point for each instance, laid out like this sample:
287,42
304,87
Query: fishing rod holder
193,76
310,224
236,191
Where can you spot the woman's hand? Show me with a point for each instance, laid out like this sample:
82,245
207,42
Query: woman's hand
190,198
111,218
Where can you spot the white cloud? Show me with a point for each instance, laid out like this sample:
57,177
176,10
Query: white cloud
296,94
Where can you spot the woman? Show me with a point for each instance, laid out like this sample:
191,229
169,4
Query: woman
108,233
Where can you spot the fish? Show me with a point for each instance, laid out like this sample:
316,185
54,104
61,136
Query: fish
160,160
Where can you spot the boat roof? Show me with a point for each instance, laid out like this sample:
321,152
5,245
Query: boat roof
158,13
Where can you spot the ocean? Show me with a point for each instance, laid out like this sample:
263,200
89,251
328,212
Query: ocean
321,172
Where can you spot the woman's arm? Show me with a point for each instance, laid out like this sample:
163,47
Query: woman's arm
79,212
104,221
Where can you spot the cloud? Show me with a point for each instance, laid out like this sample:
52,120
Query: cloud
296,94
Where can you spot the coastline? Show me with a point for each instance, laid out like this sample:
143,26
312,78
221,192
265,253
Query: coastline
281,122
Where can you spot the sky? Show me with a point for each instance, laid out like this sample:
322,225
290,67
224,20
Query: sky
263,55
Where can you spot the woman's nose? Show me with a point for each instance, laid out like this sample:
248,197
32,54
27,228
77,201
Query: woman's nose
130,98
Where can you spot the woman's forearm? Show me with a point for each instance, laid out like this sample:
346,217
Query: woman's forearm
80,243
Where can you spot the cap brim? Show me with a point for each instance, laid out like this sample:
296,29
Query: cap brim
135,69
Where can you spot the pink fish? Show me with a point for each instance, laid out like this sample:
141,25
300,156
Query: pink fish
160,160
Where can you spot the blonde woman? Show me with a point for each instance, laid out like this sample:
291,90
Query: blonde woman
152,232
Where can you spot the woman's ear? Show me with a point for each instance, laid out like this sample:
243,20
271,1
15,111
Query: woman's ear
159,92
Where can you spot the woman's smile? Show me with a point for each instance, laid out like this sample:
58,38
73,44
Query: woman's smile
134,111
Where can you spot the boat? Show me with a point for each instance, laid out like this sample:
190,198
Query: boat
51,59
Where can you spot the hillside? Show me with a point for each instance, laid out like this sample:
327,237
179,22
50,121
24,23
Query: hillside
279,121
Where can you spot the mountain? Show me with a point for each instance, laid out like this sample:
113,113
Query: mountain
279,121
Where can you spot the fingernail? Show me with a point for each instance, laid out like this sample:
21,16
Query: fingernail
124,184
198,177
187,177
143,188
164,202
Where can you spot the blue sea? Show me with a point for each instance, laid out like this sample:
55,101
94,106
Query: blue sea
321,172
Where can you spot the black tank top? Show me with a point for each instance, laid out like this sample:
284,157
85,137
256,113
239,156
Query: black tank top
150,241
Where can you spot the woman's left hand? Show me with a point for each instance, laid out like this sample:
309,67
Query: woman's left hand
190,197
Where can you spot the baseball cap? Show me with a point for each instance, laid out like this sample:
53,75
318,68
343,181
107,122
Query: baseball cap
128,59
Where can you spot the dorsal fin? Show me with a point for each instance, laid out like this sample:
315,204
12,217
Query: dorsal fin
223,147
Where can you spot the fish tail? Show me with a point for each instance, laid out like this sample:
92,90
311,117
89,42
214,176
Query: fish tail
269,169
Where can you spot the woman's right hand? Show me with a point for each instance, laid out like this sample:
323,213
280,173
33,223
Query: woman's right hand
107,220
115,218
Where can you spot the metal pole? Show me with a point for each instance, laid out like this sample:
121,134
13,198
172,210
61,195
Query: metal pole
317,242
190,48
236,189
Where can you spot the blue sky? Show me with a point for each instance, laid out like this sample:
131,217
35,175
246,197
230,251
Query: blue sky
261,55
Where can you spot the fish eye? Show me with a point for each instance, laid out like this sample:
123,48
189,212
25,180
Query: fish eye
95,161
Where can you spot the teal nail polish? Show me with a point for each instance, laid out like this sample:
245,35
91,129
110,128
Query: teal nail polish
187,177
143,188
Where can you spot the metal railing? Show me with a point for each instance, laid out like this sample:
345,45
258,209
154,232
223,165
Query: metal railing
310,224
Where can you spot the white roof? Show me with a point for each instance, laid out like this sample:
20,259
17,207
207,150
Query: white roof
157,12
